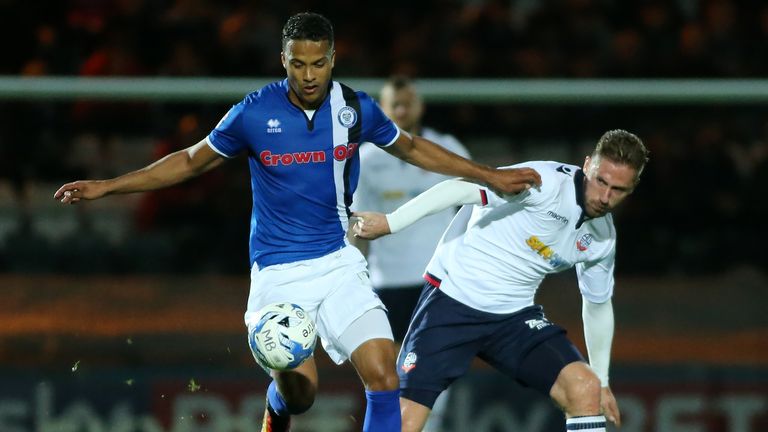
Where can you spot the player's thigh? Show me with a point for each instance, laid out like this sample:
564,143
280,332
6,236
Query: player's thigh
374,361
443,339
544,365
529,348
351,313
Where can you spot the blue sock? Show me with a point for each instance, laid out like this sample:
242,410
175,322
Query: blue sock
276,401
382,414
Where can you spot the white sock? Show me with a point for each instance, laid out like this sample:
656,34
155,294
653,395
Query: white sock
586,424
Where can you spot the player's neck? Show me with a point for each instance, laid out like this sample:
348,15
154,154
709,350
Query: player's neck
305,105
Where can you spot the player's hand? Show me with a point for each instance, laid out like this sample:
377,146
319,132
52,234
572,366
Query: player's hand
370,225
609,406
511,181
72,193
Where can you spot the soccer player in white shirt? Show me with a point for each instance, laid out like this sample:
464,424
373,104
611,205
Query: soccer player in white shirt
479,296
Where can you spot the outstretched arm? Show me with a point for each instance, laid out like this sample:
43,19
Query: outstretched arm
168,171
446,194
598,335
432,157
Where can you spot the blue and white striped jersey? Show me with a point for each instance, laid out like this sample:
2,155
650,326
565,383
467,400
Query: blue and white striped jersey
303,171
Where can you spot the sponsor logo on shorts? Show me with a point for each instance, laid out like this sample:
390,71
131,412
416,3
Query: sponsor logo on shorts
537,324
409,362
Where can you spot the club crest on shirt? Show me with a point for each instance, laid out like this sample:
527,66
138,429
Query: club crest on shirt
583,243
347,116
409,362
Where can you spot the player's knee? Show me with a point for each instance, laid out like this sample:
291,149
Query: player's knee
412,425
382,379
577,390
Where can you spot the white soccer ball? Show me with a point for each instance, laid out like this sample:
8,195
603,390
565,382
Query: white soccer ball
283,338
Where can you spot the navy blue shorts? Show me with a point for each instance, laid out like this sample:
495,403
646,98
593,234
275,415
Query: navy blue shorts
446,335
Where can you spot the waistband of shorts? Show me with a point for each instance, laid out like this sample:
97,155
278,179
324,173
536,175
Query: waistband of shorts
432,279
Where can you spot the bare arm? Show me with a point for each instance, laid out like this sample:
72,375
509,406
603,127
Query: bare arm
432,157
168,171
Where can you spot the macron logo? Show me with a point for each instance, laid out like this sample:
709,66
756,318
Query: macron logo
273,126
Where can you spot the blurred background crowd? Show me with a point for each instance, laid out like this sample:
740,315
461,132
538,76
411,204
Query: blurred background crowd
453,38
698,210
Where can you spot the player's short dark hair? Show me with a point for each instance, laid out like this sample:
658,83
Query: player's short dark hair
622,147
308,26
399,82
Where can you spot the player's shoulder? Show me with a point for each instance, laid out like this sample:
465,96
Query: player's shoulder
266,93
361,96
554,175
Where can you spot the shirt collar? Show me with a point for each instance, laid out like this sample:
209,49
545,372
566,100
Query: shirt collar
578,185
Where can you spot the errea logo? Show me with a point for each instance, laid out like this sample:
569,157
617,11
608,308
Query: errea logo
273,126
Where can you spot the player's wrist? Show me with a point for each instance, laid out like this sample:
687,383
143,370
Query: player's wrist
396,221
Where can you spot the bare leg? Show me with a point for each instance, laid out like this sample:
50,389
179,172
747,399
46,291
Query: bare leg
374,361
414,415
577,390
298,386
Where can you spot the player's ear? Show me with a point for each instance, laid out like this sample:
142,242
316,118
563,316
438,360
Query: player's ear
282,60
587,160
333,58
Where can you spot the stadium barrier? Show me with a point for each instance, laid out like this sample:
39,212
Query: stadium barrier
477,91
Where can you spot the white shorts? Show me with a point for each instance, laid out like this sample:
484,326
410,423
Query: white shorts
334,290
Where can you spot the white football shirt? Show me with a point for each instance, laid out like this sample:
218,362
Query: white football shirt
385,184
494,256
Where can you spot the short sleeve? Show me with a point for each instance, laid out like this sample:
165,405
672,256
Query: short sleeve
377,127
596,278
228,138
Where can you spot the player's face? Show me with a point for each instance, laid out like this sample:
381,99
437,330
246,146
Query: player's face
308,64
608,183
403,106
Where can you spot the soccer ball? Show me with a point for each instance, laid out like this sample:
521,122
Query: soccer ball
283,338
